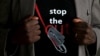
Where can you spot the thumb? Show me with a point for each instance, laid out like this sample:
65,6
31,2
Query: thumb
77,20
31,18
34,18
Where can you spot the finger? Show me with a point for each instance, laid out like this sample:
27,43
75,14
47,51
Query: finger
34,22
90,36
87,39
31,23
34,39
32,28
33,36
36,27
79,35
34,33
81,27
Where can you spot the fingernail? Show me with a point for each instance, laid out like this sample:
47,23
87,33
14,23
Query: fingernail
36,18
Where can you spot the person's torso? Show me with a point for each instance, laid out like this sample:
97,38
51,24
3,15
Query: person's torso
59,14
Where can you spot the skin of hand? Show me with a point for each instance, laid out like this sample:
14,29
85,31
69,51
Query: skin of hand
28,32
84,35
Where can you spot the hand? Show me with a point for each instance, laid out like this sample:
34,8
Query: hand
83,32
28,32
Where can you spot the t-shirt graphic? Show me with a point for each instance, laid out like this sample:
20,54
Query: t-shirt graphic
59,14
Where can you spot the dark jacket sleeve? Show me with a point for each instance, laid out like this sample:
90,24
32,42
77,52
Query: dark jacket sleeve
11,13
4,14
21,9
